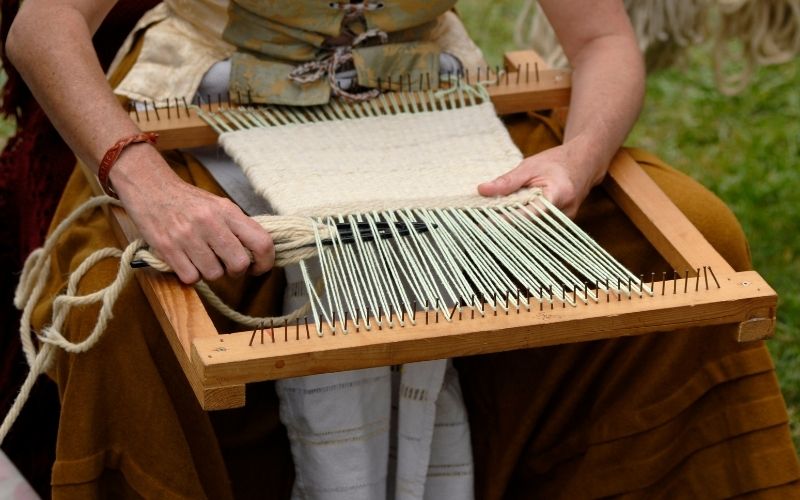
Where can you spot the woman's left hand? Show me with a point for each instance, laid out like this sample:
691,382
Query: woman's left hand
563,183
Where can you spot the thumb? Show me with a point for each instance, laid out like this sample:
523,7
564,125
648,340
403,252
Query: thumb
506,184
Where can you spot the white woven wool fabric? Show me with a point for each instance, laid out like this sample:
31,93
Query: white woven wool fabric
423,159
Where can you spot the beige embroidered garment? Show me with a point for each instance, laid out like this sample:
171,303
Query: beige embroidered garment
183,40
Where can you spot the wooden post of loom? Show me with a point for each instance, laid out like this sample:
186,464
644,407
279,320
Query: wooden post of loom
218,366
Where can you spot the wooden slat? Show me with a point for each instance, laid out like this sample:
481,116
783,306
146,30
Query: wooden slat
230,359
661,222
523,60
510,93
521,92
176,132
184,319
530,61
179,311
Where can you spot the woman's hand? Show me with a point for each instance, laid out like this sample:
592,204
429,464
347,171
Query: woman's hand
196,233
564,182
607,94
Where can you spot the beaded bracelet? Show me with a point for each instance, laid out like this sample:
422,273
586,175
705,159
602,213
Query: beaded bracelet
113,153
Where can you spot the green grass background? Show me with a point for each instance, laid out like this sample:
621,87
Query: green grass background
745,148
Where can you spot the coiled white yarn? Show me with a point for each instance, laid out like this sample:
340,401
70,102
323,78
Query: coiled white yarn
293,237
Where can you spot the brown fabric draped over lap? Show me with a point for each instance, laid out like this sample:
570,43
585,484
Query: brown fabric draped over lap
681,413
690,413
34,167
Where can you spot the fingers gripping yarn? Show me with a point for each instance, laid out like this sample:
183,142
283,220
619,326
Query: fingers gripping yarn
293,237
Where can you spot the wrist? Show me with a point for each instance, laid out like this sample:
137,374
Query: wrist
113,155
139,167
587,158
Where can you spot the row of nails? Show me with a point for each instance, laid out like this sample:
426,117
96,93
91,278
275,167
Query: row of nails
402,83
545,295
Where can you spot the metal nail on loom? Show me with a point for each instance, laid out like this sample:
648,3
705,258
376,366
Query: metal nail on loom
345,232
486,75
218,367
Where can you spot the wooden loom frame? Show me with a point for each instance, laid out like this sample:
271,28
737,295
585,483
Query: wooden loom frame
218,366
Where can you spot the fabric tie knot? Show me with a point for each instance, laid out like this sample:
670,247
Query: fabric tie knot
331,62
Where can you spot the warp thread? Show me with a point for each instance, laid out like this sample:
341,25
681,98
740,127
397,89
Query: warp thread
294,238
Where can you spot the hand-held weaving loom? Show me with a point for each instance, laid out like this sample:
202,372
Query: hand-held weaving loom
519,311
407,278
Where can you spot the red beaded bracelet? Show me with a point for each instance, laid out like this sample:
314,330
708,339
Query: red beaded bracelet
113,153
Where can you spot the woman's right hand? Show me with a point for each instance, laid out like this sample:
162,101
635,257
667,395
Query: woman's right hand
198,234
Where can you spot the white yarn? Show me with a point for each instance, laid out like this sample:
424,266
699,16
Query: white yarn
34,275
384,162
290,234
